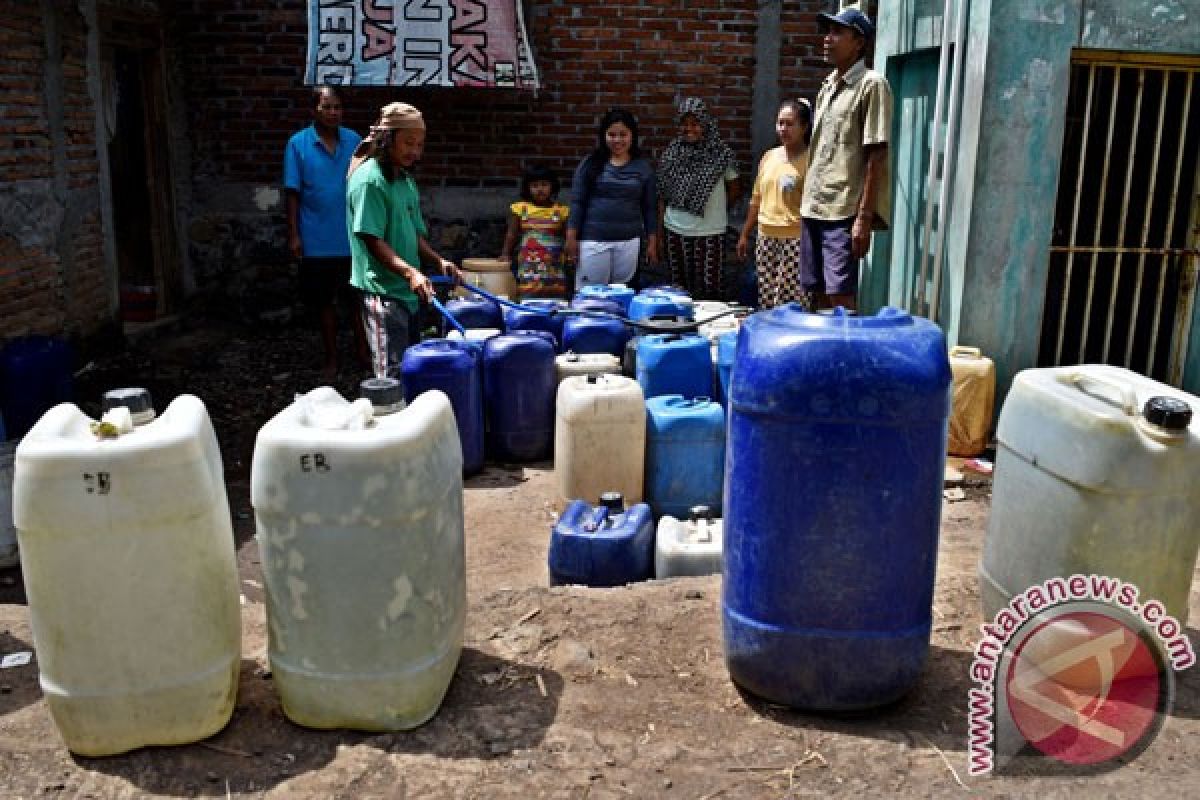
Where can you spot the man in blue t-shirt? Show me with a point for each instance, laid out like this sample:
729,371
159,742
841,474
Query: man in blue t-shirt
314,181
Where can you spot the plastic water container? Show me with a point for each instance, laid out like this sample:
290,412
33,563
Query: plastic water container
360,528
673,363
594,335
479,335
598,305
128,557
1095,474
828,580
519,382
537,315
35,374
618,293
493,275
690,546
654,303
599,437
718,325
456,369
569,365
726,351
974,396
9,557
475,312
604,545
685,454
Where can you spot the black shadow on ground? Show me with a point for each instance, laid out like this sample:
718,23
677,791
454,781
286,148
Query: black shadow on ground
1187,685
18,685
12,587
493,707
503,475
934,711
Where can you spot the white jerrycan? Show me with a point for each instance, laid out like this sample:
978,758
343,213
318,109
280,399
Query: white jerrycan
360,524
128,557
1095,474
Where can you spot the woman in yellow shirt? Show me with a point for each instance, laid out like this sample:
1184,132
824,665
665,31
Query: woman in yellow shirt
775,208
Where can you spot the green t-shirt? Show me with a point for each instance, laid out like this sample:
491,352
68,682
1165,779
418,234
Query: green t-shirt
389,210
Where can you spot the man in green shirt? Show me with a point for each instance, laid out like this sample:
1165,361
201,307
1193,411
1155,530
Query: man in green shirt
387,236
846,190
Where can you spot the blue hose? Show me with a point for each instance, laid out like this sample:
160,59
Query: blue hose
444,280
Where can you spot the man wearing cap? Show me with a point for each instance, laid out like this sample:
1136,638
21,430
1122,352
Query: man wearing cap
387,236
846,190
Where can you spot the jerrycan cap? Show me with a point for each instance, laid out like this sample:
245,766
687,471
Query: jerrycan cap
135,398
571,356
613,501
385,394
1168,412
697,513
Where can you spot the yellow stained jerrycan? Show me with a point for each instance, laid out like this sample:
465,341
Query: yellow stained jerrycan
359,508
493,275
1095,474
128,557
599,438
973,395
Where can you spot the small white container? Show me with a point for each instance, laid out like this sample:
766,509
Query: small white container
706,309
1086,482
128,558
600,438
475,334
568,365
688,547
360,527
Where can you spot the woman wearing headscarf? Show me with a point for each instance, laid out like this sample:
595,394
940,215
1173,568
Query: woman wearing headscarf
697,179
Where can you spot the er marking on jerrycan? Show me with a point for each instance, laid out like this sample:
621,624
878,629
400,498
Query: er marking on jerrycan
833,493
359,511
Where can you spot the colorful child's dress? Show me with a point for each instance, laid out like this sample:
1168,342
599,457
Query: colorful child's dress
540,249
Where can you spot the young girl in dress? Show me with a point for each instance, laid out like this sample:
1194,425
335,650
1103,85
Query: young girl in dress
537,228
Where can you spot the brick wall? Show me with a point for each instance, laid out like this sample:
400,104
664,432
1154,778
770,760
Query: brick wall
53,278
243,66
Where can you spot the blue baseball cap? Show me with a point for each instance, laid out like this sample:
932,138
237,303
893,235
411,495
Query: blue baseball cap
850,18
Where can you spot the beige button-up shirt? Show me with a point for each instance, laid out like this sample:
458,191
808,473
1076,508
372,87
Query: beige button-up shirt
850,114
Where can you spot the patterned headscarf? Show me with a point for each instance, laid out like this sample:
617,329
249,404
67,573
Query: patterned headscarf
688,171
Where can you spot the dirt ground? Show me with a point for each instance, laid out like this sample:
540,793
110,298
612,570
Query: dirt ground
560,693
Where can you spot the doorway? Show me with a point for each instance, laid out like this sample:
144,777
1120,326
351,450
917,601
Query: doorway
148,266
1121,283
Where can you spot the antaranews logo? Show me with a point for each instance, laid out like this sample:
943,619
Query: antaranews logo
1075,670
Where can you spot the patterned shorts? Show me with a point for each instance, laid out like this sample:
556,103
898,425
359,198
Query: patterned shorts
778,262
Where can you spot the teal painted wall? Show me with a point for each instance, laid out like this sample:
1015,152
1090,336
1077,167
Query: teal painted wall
1014,89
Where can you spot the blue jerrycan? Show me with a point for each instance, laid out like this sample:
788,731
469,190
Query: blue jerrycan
602,545
519,384
685,454
833,494
454,367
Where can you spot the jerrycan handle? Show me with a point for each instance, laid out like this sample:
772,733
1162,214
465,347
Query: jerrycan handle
595,520
1089,384
963,350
